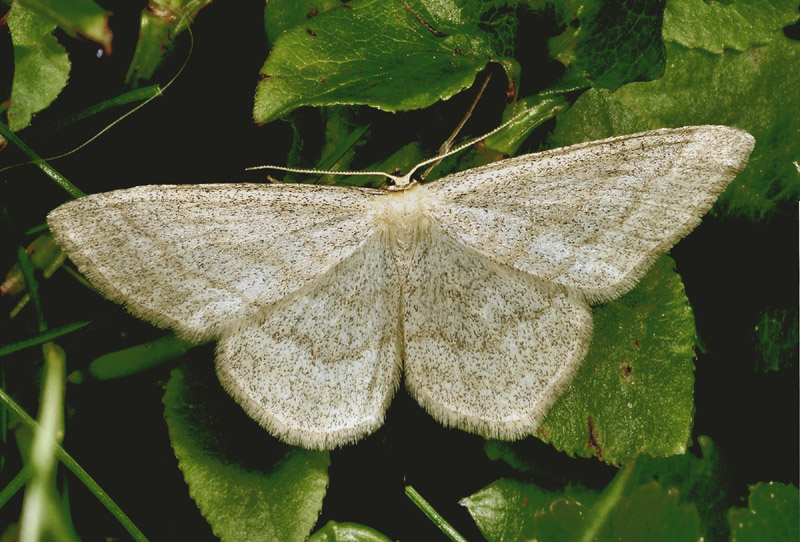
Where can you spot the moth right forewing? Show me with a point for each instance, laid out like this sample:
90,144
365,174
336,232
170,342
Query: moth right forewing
592,217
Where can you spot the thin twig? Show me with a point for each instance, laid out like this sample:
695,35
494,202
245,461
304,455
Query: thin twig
449,141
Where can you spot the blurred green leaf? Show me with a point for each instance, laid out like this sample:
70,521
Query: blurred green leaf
699,476
430,47
41,66
161,22
45,255
43,516
247,484
76,18
613,43
138,358
702,480
633,394
346,532
748,90
509,511
773,514
776,340
654,514
716,26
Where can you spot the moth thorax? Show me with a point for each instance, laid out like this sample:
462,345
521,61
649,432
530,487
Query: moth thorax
403,210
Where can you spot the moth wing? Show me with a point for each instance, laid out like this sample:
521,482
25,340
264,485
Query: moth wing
593,216
488,348
319,368
195,257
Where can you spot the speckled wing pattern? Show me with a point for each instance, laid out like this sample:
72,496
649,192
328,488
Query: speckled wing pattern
494,336
480,283
487,346
317,370
594,216
196,258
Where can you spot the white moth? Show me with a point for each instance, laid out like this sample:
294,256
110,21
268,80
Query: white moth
477,286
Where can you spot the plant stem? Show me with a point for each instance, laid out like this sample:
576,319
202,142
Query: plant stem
38,495
433,515
15,485
41,338
608,500
79,472
62,181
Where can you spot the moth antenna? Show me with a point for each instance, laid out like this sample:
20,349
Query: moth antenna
312,171
401,181
466,145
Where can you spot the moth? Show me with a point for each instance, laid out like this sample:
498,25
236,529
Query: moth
477,287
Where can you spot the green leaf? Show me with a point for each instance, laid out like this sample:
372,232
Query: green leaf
633,393
531,112
161,22
429,47
748,90
776,338
76,18
701,480
614,43
508,511
280,15
505,510
248,485
654,514
41,66
346,532
772,514
716,26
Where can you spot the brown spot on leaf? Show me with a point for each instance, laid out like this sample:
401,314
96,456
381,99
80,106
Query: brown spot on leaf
425,23
594,439
262,76
524,501
311,32
321,80
313,13
627,369
636,343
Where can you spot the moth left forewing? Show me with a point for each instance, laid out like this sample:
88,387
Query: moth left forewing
592,217
196,257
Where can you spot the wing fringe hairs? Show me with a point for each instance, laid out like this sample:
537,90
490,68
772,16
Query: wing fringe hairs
477,285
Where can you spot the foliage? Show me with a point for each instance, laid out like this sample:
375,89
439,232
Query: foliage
377,85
